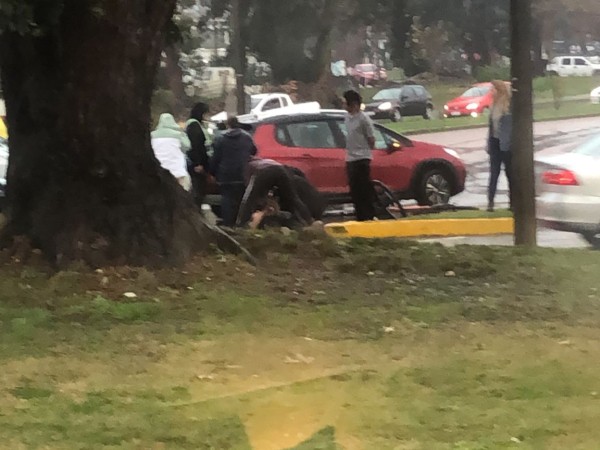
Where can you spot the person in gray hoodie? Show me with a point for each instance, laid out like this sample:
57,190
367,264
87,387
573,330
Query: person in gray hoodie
232,152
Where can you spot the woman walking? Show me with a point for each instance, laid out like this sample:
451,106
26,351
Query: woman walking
499,140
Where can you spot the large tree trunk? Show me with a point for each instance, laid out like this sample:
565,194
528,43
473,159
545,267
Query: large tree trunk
174,76
83,182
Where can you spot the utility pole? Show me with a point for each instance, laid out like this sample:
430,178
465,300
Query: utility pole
239,55
523,195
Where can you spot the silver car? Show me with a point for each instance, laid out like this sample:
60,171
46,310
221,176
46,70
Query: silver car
3,159
595,96
569,188
3,167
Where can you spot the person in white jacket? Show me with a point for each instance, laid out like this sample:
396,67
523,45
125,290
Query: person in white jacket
170,144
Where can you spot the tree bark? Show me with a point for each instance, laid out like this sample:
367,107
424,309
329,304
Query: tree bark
523,194
239,55
83,183
174,76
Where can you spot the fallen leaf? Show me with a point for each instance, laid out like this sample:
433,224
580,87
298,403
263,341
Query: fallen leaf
205,377
299,358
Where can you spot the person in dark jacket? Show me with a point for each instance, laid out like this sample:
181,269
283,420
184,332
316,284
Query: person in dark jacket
266,177
499,140
232,152
201,140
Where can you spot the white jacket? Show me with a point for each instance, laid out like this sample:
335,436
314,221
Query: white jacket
170,143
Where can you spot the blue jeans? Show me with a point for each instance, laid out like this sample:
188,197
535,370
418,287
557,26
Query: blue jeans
497,159
231,198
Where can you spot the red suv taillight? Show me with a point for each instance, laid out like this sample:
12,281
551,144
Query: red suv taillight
560,177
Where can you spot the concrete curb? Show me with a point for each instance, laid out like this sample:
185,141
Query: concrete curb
421,228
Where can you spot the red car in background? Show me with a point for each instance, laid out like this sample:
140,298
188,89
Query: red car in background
315,144
367,74
474,102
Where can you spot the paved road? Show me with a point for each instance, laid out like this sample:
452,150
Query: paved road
550,138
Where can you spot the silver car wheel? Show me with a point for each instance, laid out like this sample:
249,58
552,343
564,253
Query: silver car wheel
437,190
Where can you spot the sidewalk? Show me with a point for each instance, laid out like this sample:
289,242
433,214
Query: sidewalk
546,238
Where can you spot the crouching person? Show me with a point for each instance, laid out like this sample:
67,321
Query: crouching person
267,178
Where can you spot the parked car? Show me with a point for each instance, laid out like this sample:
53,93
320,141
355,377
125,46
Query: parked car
569,186
401,101
595,96
214,82
574,66
475,101
268,102
315,144
368,74
261,106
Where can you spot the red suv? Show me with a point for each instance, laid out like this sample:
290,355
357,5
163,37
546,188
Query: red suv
315,144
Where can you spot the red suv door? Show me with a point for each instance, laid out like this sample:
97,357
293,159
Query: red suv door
392,163
311,146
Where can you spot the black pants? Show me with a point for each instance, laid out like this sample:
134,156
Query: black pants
266,180
497,159
310,196
231,198
199,186
361,189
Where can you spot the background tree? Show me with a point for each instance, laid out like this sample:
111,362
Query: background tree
82,180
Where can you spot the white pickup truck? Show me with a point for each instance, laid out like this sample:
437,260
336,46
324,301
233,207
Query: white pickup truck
263,106
574,66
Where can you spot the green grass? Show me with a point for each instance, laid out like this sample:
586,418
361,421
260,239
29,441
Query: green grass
541,113
475,214
325,345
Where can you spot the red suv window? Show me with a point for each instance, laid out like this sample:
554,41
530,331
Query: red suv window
317,134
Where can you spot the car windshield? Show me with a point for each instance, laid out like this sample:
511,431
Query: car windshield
476,92
388,94
254,102
590,148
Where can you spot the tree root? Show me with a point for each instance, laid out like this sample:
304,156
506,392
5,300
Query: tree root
229,244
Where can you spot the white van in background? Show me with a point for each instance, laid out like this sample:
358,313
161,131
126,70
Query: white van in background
215,82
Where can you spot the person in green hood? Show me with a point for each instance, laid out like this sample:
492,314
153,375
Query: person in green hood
170,143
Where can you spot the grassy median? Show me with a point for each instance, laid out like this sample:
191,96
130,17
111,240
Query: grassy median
325,345
574,92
